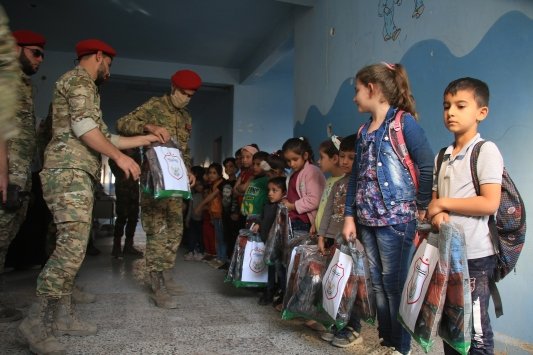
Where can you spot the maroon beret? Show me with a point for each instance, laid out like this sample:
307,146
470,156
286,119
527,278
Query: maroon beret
91,46
186,80
29,38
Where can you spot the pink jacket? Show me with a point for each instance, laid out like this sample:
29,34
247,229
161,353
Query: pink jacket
310,184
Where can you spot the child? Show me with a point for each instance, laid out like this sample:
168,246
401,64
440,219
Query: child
382,200
330,226
255,196
213,202
329,164
245,175
276,192
454,196
275,165
305,184
230,212
193,220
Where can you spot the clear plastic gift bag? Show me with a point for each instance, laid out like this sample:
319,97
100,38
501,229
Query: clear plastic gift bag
365,300
247,267
274,242
164,172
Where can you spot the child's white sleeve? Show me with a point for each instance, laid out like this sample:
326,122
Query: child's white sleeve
489,164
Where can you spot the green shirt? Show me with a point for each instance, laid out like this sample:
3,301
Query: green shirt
255,197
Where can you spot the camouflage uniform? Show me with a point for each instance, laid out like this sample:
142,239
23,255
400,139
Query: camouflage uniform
127,194
8,78
21,149
70,171
162,219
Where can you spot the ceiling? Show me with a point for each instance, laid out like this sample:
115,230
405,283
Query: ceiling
252,36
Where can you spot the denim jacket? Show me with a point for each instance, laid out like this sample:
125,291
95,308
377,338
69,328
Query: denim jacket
395,182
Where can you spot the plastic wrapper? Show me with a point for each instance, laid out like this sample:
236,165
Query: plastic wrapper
303,295
456,323
340,286
164,173
235,272
279,230
417,284
365,300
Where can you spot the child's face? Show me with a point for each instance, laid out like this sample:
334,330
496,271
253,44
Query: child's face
362,97
346,159
212,175
295,161
230,168
256,167
275,193
462,113
246,158
327,164
198,187
275,173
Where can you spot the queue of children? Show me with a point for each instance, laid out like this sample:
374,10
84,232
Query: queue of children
369,195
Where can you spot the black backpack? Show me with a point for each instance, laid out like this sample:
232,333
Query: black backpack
507,228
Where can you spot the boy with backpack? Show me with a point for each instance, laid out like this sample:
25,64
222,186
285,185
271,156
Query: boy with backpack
455,198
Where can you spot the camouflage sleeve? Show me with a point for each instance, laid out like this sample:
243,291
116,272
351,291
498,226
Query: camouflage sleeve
133,123
83,111
8,78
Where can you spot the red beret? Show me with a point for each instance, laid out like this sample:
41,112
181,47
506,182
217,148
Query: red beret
186,80
91,46
29,38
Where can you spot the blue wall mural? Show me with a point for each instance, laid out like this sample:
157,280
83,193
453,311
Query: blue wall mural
502,59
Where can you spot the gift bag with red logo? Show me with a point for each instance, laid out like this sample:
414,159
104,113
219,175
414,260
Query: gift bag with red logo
339,286
164,173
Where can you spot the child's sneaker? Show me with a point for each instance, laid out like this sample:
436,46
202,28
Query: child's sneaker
189,256
198,256
327,336
346,337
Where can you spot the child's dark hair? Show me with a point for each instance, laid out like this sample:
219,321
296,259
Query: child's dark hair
328,147
198,172
279,181
229,160
348,143
260,156
276,161
394,84
217,167
478,87
299,146
238,152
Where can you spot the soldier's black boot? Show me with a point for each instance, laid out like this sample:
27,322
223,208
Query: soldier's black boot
129,249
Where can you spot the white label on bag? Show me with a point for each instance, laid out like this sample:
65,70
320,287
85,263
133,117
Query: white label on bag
335,281
175,175
253,265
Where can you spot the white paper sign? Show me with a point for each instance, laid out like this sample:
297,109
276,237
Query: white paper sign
334,282
254,268
175,175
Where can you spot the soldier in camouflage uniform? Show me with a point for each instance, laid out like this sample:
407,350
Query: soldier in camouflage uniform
126,207
162,219
9,68
16,154
72,165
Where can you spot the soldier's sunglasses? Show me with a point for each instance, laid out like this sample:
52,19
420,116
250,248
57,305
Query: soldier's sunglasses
36,52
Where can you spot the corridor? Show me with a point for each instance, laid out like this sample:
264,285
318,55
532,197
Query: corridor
213,317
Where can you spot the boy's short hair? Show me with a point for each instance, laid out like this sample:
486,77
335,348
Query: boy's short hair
229,160
348,143
478,87
198,172
279,181
260,156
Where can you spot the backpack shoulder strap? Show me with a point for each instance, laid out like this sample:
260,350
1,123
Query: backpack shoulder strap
400,147
359,130
496,298
440,159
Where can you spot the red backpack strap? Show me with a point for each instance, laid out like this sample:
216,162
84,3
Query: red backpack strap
360,130
400,147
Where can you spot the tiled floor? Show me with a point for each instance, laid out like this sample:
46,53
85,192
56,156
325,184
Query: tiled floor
213,317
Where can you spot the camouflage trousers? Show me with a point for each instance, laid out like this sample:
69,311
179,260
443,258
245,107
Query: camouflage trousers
162,221
10,222
69,194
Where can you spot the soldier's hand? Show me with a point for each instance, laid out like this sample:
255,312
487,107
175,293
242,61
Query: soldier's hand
151,138
160,132
129,167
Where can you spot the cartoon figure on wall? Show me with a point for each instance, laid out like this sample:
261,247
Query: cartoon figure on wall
386,10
